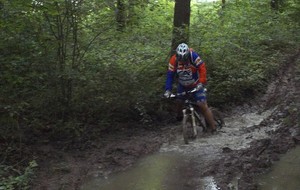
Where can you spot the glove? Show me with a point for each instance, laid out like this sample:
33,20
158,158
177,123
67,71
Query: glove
199,86
167,94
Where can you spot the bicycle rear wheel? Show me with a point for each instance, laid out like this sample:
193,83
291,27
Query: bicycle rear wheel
218,118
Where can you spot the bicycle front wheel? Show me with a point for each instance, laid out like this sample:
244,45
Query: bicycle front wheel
187,125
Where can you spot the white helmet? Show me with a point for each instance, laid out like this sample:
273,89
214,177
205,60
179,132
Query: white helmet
182,52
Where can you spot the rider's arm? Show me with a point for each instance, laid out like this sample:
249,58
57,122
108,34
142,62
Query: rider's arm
171,73
202,72
200,65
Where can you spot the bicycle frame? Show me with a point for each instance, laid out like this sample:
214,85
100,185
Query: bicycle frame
191,108
190,115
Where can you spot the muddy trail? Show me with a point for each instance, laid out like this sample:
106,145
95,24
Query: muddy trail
255,136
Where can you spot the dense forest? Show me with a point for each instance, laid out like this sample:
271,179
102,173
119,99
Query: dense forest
69,67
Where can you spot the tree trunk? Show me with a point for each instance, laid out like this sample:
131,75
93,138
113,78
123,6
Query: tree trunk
120,15
276,5
181,23
221,12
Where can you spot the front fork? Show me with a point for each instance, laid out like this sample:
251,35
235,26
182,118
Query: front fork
192,110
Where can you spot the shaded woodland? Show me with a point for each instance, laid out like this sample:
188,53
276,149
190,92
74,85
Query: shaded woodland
72,68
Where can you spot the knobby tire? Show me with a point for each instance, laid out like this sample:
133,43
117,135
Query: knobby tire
186,124
218,117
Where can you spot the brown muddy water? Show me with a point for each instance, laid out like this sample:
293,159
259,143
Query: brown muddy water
163,171
176,165
285,174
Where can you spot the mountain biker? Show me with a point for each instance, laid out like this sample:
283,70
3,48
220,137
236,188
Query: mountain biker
190,70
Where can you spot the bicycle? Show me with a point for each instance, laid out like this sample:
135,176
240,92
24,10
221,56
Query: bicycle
193,120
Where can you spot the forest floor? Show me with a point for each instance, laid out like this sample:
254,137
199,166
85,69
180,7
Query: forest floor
120,147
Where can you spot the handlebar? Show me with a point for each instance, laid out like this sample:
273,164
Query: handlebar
185,93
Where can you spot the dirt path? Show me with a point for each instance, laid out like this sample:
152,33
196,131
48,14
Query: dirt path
118,151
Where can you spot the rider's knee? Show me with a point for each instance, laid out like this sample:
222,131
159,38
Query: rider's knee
202,104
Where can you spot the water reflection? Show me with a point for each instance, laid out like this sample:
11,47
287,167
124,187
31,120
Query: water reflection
149,174
163,171
285,174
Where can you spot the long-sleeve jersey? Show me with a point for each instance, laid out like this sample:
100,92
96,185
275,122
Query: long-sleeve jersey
189,74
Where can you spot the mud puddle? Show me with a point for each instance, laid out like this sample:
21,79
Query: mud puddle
167,171
285,174
177,166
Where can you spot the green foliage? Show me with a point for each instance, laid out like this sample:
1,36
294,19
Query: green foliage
11,178
242,44
65,64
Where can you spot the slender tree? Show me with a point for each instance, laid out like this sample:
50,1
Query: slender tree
63,20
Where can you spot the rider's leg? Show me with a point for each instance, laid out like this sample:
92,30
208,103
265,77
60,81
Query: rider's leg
200,96
207,114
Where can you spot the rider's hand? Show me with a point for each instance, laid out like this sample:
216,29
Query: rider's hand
199,86
167,94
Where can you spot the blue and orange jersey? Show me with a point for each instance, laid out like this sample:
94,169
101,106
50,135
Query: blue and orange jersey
189,73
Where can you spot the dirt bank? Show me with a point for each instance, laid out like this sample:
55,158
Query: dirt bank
246,164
